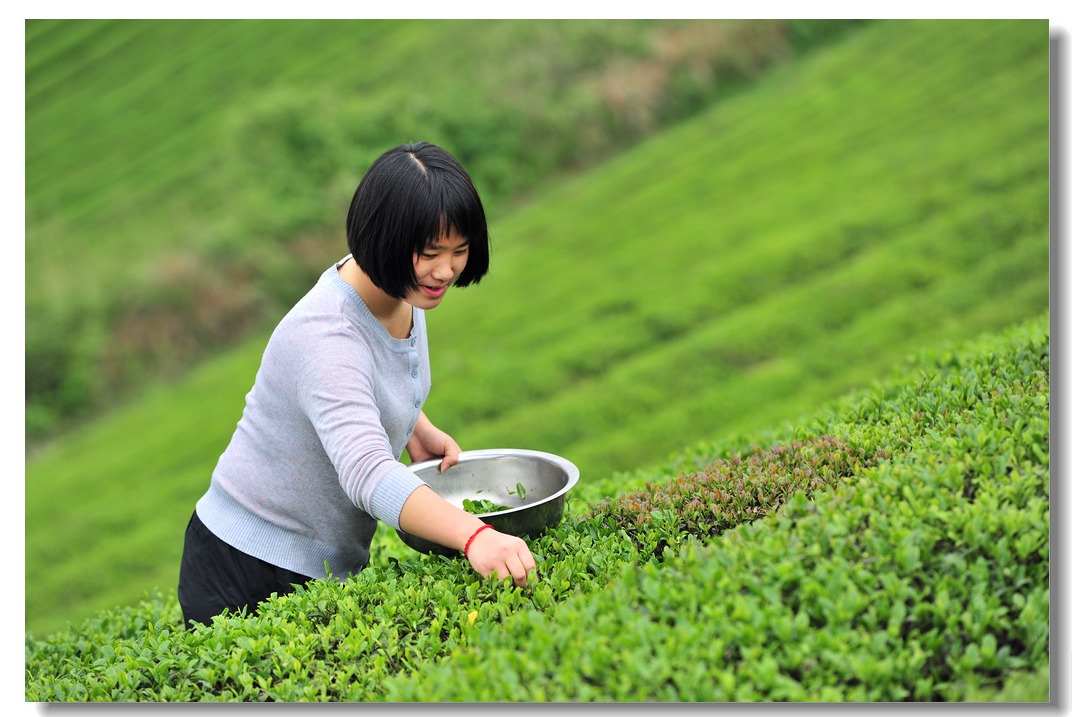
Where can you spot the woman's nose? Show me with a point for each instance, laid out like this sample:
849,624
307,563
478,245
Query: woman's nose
443,269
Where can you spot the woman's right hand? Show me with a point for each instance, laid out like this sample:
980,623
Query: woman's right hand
426,515
494,553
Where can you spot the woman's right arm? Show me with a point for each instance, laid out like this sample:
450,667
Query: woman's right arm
428,516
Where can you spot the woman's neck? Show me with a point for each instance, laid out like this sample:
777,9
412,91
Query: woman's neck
396,315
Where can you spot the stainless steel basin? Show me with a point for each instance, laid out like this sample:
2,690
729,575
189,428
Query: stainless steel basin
493,474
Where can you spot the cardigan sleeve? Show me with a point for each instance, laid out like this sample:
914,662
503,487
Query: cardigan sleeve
337,391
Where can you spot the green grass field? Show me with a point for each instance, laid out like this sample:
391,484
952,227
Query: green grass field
195,192
732,273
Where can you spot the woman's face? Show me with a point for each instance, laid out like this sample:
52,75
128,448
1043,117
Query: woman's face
436,268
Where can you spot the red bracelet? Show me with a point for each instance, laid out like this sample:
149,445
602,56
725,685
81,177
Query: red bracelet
469,542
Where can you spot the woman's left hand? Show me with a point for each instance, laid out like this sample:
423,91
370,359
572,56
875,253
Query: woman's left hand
429,442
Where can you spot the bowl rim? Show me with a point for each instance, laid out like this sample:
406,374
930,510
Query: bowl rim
573,473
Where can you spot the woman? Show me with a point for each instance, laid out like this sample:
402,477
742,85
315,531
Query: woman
313,464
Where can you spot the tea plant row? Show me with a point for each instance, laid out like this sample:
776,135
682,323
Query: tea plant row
893,548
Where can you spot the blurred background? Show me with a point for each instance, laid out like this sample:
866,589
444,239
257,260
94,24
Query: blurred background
186,180
700,229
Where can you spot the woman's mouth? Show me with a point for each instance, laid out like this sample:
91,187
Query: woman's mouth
433,292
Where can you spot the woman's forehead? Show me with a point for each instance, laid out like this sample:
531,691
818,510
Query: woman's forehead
448,240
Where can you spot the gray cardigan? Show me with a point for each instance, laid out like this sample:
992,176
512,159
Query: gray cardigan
314,461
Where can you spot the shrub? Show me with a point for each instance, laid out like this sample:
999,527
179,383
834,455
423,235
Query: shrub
911,564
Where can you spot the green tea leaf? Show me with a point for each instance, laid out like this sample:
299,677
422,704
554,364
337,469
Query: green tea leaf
482,506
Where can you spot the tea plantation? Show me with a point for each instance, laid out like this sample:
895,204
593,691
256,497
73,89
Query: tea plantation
193,174
893,547
795,334
780,247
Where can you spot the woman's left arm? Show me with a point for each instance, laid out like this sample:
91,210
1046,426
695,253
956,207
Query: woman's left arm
429,442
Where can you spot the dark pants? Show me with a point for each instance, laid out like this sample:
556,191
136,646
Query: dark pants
214,576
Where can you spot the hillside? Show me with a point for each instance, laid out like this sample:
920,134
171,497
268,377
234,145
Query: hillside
786,245
892,547
186,179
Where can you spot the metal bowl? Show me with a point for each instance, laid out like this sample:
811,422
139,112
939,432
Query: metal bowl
493,474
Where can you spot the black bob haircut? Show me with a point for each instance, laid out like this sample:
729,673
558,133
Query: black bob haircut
410,197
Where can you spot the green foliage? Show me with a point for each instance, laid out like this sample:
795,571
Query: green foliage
920,576
876,590
483,505
732,491
787,245
190,180
778,249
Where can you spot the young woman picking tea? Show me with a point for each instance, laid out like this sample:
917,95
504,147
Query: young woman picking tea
314,463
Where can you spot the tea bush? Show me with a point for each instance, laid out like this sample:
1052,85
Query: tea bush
922,578
733,491
775,251
892,548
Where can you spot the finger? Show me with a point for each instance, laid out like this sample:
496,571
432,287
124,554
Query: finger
530,575
450,458
517,571
528,562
